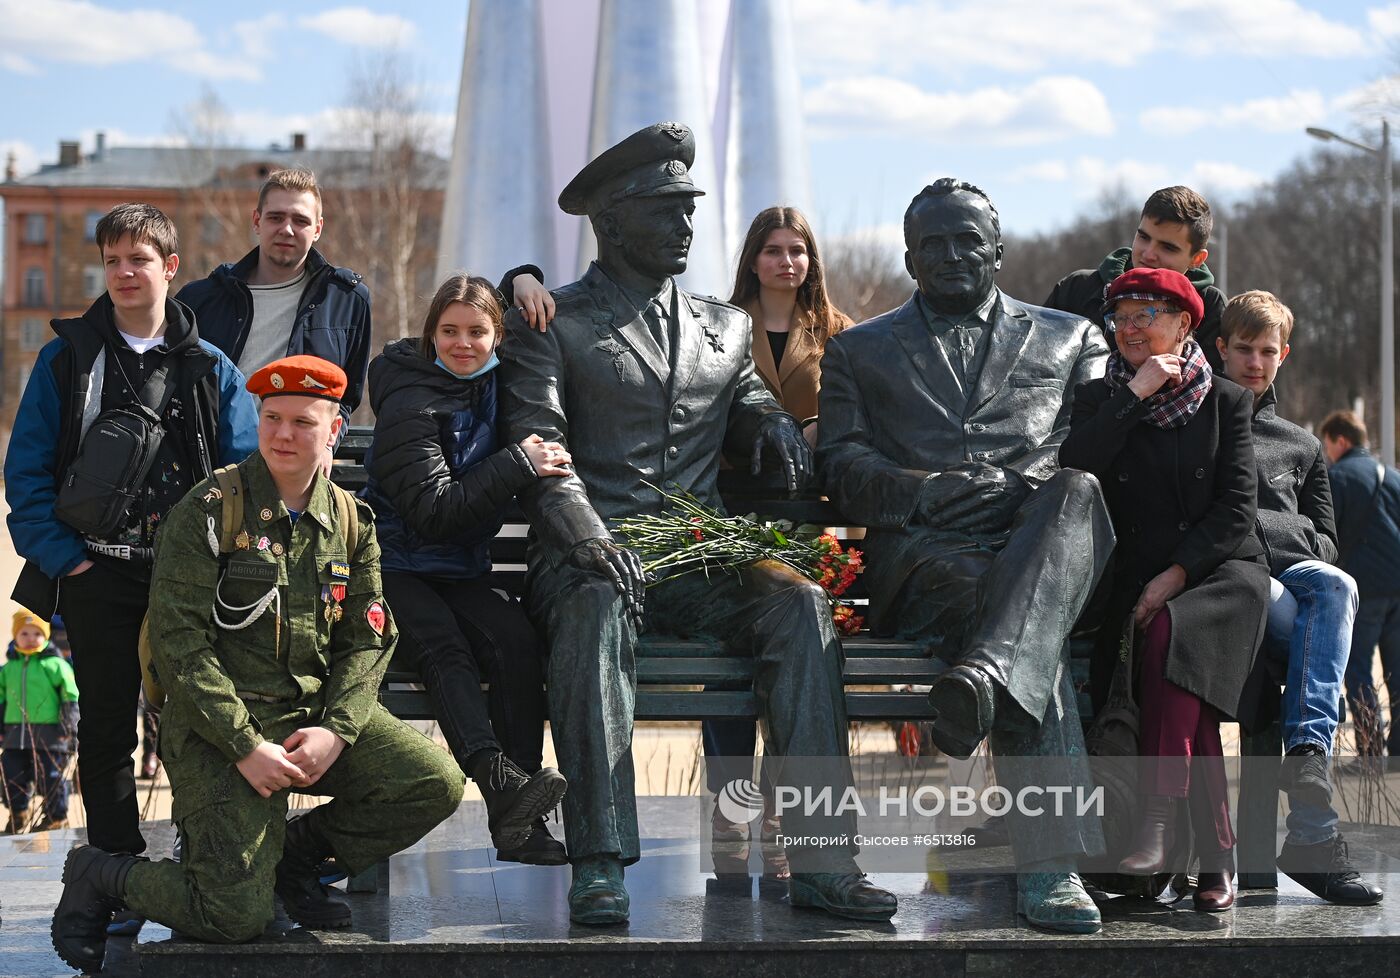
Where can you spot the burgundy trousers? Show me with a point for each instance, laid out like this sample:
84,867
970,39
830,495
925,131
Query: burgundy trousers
1180,742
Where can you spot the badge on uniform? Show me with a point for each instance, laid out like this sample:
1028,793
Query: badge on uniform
252,569
376,617
243,541
264,543
339,572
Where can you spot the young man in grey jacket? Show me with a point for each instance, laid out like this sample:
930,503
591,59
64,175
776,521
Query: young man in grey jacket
1312,601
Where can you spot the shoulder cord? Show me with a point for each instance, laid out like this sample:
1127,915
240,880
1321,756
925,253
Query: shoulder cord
255,610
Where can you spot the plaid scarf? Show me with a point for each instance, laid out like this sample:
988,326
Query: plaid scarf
1170,407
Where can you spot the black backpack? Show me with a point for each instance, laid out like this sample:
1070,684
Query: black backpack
114,456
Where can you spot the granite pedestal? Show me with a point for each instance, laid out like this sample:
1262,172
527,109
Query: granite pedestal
449,909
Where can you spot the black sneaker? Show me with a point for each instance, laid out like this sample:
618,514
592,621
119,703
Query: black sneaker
539,849
1305,777
514,799
1326,870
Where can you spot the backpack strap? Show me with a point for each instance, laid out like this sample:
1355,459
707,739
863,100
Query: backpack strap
230,483
349,515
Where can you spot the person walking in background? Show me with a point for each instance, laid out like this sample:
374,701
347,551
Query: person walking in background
1366,498
39,704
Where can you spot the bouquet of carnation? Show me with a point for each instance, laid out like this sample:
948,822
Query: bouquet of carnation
690,537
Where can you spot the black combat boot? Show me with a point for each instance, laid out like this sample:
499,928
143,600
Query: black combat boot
514,799
539,849
308,901
94,882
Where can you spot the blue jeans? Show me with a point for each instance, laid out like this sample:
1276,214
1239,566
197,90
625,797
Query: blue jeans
1312,606
1377,623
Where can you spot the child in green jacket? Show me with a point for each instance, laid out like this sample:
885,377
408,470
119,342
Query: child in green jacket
39,698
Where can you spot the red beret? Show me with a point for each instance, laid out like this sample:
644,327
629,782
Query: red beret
305,376
1157,283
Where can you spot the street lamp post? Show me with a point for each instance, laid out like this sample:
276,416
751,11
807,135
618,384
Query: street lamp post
1387,270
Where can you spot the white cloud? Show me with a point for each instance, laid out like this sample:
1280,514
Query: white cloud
1091,175
1046,109
20,66
1224,178
1286,113
1385,20
1025,36
956,37
86,33
360,27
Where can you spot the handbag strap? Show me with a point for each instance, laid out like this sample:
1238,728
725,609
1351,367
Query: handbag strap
1120,688
1358,528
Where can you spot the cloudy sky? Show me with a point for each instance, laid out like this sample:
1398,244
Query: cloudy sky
1043,102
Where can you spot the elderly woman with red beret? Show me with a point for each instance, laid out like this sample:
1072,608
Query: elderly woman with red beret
1171,445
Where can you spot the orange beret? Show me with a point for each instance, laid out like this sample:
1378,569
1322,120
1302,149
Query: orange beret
305,376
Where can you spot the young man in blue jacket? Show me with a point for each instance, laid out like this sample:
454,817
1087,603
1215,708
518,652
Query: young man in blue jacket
1312,602
283,298
100,361
1367,499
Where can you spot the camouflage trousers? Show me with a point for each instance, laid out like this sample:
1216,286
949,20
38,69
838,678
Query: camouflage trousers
389,789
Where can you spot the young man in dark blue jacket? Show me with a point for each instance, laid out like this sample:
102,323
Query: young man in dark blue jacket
1367,499
1312,602
283,298
100,361
1172,233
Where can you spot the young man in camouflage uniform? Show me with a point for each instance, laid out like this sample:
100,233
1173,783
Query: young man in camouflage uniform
272,647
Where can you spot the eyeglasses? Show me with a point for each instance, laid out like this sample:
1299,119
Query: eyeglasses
1144,318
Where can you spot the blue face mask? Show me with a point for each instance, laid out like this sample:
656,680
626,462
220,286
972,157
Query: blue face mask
489,365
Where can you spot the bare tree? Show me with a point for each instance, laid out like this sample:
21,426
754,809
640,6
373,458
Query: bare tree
215,203
864,275
387,193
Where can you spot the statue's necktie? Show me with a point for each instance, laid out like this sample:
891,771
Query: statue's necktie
655,318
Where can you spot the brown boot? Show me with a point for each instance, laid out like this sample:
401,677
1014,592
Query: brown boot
1153,838
1215,887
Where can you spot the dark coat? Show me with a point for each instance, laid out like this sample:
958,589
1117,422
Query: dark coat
332,320
219,428
1083,292
438,481
892,420
1182,496
599,383
1295,498
1374,557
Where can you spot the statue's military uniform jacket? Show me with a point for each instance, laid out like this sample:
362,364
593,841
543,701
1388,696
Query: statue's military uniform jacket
894,416
599,383
313,655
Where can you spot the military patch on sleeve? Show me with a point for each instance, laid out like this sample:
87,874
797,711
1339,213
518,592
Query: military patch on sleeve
376,617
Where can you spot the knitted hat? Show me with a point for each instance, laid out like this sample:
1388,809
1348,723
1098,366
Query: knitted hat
27,619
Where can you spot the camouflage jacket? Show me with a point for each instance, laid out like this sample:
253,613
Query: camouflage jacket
317,651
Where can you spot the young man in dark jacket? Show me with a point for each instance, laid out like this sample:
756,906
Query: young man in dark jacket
283,298
1312,603
1172,233
1367,499
100,361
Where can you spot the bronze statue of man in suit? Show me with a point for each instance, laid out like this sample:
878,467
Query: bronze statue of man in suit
646,383
940,425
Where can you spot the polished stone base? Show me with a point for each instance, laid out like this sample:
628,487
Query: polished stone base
450,909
